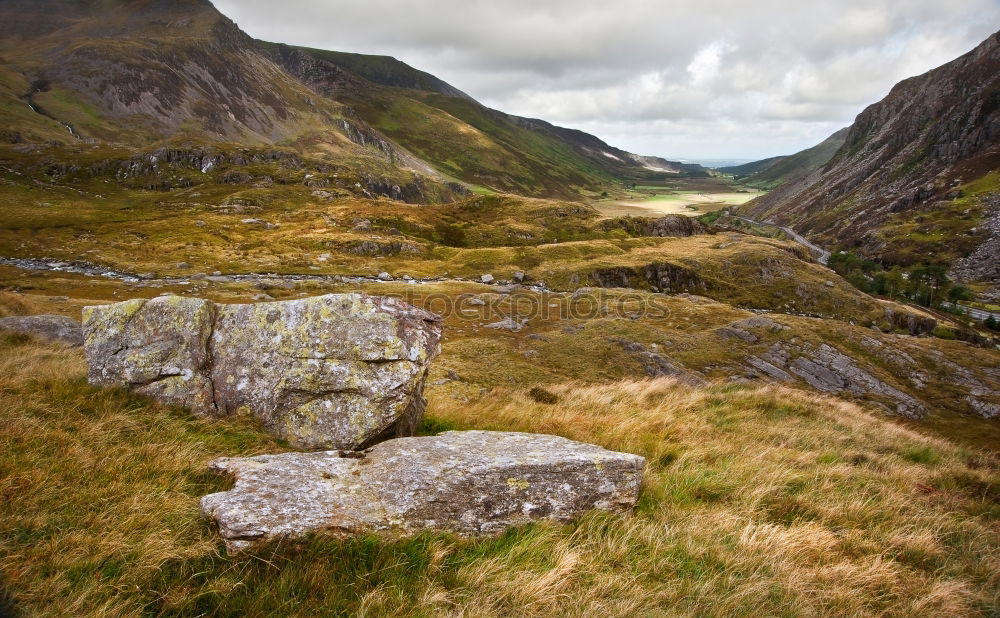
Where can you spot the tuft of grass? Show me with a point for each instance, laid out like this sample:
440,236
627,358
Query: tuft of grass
921,454
541,395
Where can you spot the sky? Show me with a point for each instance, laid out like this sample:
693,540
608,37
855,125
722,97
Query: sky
690,79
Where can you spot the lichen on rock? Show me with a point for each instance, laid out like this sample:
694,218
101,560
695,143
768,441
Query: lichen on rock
334,371
467,482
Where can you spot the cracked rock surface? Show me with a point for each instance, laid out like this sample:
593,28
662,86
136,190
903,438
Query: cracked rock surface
467,482
336,371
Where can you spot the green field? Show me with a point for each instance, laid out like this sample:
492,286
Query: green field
691,198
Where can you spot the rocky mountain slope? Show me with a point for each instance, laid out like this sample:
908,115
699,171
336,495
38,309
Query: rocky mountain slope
136,72
770,173
916,178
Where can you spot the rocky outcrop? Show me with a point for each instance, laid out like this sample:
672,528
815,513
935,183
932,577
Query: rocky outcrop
902,160
668,225
471,483
335,371
656,365
913,323
663,277
982,264
50,327
827,369
741,329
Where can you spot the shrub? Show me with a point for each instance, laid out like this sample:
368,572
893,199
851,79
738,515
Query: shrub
541,395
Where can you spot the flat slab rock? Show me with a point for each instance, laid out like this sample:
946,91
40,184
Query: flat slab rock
336,371
51,327
467,482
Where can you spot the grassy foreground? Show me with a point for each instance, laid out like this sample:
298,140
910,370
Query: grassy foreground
758,500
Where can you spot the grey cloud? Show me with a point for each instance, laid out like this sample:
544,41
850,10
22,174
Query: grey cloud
703,78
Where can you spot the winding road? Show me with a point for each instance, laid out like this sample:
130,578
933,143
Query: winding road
822,255
978,314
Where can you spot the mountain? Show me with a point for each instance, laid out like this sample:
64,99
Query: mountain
775,171
137,73
917,179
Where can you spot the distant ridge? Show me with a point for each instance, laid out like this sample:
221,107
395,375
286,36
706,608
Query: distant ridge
141,72
917,178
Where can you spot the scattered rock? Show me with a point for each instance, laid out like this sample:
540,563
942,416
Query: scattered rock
265,297
384,276
728,332
478,302
487,279
49,327
264,224
335,371
372,247
657,365
519,276
984,409
182,266
59,299
470,483
508,323
761,322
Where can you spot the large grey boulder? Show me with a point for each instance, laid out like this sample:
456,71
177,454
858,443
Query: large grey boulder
467,482
335,371
51,327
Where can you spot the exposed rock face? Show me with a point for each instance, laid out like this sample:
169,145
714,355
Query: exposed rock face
668,225
659,276
902,157
658,365
51,327
471,483
827,369
335,371
982,264
157,347
916,324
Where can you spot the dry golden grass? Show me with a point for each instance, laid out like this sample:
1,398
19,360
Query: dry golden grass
758,500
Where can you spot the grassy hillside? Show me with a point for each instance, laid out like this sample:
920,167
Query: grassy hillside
386,71
770,173
140,73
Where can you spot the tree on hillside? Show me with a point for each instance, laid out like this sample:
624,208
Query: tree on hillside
959,292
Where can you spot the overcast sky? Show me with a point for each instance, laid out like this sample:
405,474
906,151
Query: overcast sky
683,78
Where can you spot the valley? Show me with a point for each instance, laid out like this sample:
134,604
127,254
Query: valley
692,198
797,349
